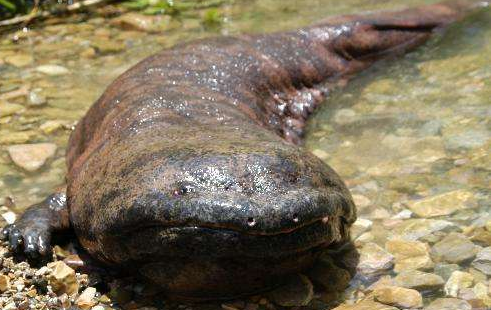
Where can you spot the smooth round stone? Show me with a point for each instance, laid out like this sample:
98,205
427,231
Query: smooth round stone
52,70
31,157
399,297
366,304
409,255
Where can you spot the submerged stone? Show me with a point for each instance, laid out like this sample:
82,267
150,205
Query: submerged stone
457,281
449,304
374,259
443,204
419,280
31,157
483,261
454,248
399,297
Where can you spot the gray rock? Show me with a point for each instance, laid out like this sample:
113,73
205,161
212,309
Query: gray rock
419,280
443,204
483,261
445,270
415,229
454,248
374,259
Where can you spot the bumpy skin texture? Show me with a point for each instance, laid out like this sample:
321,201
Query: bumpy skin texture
187,169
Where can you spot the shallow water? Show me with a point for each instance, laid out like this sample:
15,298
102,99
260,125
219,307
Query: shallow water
403,131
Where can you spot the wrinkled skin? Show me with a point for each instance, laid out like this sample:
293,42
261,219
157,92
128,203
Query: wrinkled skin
188,171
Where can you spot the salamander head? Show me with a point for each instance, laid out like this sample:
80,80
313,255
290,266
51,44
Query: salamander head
195,213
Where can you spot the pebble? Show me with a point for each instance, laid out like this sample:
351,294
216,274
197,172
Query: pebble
449,304
62,278
7,109
454,248
9,217
52,70
298,291
457,281
445,270
36,98
415,229
399,297
4,283
409,255
19,60
419,280
105,46
360,226
86,299
31,157
483,261
443,204
139,22
374,259
345,116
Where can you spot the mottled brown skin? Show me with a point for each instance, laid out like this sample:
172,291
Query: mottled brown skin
187,169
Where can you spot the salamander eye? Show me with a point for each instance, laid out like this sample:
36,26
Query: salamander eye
251,221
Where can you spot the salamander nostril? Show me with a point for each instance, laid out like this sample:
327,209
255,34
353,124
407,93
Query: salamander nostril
251,221
295,218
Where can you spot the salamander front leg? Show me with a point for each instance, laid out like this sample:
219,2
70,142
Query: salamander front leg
31,233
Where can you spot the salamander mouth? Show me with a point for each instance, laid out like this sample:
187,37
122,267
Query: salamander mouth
203,241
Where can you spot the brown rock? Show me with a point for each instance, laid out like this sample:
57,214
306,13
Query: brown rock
62,278
399,297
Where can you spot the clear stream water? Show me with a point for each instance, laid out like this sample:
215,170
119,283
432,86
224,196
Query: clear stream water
405,129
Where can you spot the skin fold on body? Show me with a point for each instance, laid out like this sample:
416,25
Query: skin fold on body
189,171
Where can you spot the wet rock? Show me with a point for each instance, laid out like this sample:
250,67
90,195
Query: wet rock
480,290
86,300
483,261
52,126
445,270
360,226
467,139
329,275
139,22
4,283
399,297
366,304
345,116
454,248
15,137
105,46
52,70
457,281
443,204
414,229
374,259
419,280
9,217
62,278
7,109
36,98
409,255
19,60
31,157
449,304
361,201
298,291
